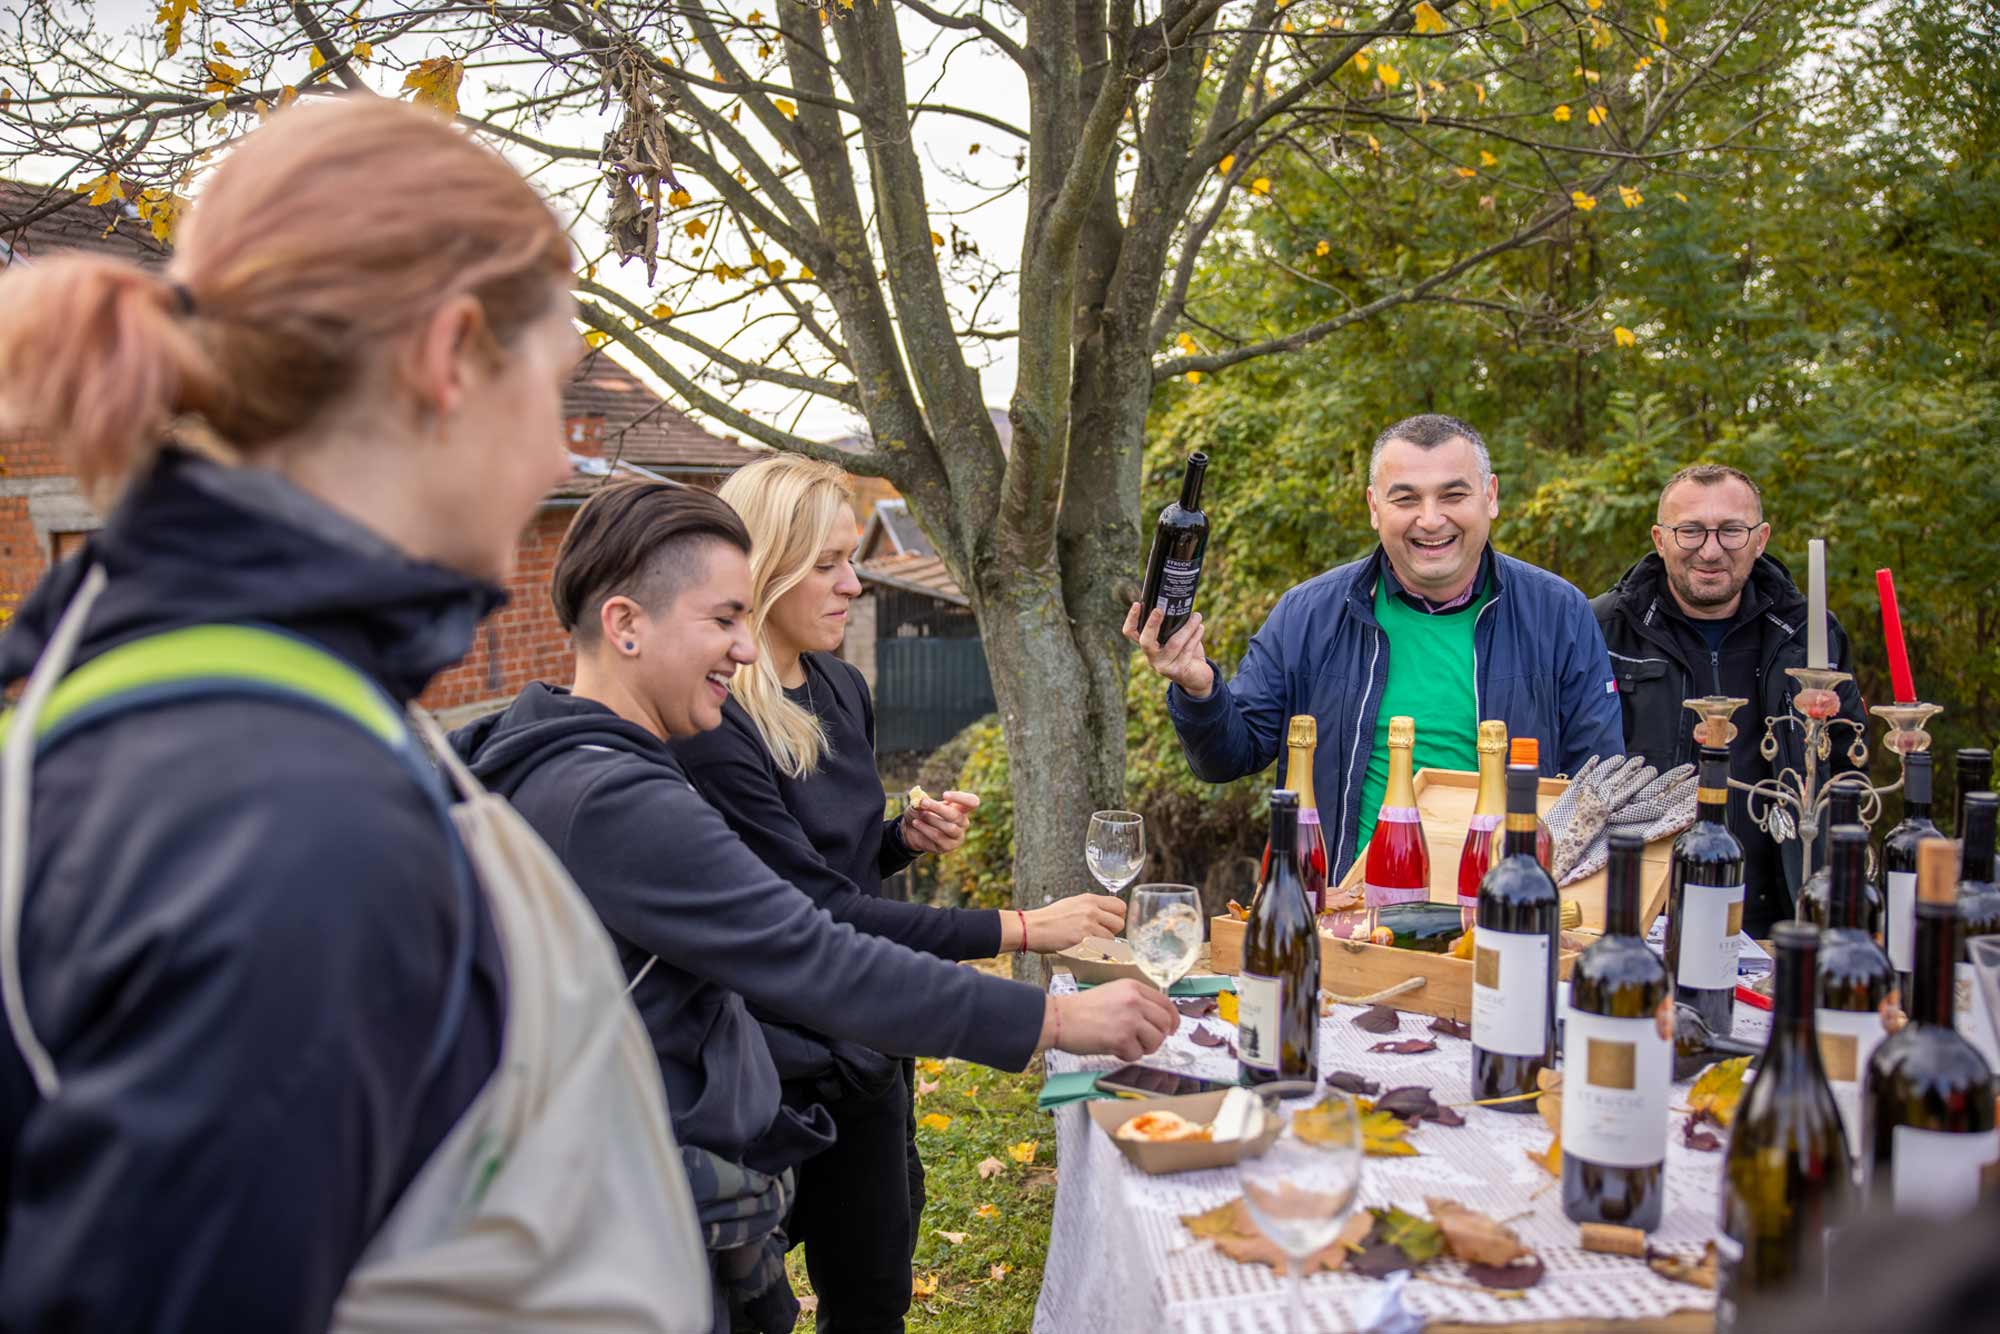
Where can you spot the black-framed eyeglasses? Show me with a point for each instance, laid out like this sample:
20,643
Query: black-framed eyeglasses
1731,536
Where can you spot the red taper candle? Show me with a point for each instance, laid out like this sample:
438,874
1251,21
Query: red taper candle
1901,682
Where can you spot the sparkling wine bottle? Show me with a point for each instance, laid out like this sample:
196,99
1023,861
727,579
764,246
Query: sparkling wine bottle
1928,1103
1277,1034
1488,811
1899,865
1978,915
1302,739
1843,806
1617,1063
1855,982
1398,869
1786,1177
1514,958
1180,541
1705,901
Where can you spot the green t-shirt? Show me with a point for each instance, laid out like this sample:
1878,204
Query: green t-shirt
1430,680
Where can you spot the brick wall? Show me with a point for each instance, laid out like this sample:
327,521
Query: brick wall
521,642
27,468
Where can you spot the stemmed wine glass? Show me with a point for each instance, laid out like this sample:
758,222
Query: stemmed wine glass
1116,848
1300,1191
1164,929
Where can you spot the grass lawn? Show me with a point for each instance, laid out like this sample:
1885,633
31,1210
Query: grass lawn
979,1264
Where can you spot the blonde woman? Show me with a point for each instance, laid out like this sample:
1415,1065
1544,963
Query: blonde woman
792,769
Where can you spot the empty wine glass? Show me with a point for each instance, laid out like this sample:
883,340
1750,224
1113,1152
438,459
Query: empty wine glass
1984,951
1164,928
1116,848
1300,1191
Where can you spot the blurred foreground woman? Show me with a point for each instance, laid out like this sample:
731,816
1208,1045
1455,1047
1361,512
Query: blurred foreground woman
280,1059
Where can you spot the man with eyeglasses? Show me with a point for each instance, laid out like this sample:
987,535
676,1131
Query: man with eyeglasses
1708,613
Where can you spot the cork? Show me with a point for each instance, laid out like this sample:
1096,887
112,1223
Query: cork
1525,750
1492,737
1611,1239
1402,731
1937,870
1304,731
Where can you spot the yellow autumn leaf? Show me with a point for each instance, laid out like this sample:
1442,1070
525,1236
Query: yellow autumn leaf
679,199
261,107
1678,195
785,107
1595,115
1583,202
1383,1135
218,110
987,1211
922,1285
162,210
1225,1007
1261,186
1479,91
754,16
1561,113
436,83
1361,60
696,228
1486,159
763,50
937,1121
1024,1152
805,274
1595,5
1185,342
1719,1089
1550,1160
220,48
1228,161
1629,197
104,189
1425,19
1642,64
1193,377
724,273
1466,172
222,78
776,268
1660,27
936,240
662,312
596,338
171,15
1624,337
364,51
316,60
1388,75
286,96
1322,248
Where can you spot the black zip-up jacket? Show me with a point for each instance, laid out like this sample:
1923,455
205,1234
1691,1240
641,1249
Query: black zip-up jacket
238,935
671,880
1658,663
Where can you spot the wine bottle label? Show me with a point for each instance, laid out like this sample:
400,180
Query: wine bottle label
1900,925
1177,583
1510,992
1258,1002
1936,1173
1380,895
1970,1014
1847,1038
1616,1073
1711,917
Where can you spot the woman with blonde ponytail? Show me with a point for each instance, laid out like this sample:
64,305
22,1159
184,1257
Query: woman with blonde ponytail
256,998
792,769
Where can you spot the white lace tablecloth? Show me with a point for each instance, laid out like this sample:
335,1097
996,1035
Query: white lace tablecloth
1121,1263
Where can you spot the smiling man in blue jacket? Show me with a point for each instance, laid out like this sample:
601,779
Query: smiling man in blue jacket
1433,624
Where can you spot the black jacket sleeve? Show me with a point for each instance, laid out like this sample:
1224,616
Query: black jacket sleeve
239,981
666,873
735,774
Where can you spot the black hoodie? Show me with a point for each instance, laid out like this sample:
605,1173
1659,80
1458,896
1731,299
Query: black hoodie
238,935
671,880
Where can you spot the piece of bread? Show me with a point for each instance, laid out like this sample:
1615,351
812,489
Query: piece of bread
918,796
1161,1128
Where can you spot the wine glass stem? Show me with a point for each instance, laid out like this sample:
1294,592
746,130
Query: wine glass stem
1295,1292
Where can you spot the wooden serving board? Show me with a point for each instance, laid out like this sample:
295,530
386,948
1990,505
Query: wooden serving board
1445,798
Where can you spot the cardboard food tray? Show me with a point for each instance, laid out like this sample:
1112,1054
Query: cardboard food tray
1099,959
1187,1155
1445,798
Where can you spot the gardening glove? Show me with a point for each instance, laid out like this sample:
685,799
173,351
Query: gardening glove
1600,788
1660,809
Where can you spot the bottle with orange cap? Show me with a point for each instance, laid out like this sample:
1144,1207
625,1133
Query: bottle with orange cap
1515,951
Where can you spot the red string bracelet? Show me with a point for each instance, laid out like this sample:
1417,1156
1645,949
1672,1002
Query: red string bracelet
1024,929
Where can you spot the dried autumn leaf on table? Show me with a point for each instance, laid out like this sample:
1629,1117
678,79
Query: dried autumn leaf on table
1202,1037
1378,1019
1379,1260
1550,1104
1235,1235
1473,1237
1680,1269
1525,1274
1451,1028
1412,1102
1196,1007
1550,1160
1383,1136
1692,1134
1419,1238
1225,1007
1407,1047
1445,1116
1719,1089
1348,1082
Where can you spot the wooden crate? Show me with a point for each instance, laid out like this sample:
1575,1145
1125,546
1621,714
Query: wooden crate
1445,798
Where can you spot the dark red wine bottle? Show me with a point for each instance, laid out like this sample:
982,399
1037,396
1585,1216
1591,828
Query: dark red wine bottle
1180,541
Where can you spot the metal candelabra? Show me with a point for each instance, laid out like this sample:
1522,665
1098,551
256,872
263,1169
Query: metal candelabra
1790,804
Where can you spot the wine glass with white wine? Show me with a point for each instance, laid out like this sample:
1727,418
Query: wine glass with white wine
1300,1191
1163,927
1116,848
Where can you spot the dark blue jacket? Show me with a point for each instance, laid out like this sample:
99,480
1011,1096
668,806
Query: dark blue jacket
1539,661
238,937
671,880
